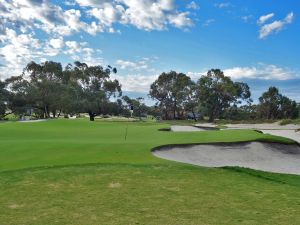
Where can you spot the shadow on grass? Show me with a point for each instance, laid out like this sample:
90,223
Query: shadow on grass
288,179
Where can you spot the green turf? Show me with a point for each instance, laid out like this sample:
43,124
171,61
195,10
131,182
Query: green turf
81,172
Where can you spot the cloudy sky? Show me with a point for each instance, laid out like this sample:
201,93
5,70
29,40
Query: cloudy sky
251,40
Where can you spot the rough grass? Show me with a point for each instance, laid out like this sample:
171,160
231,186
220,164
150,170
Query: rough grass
250,121
289,121
80,172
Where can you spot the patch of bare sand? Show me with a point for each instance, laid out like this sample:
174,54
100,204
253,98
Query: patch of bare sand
271,157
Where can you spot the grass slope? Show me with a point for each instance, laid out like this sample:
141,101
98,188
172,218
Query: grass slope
79,172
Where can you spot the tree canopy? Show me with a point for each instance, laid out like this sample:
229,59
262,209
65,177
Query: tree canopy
171,90
216,92
48,89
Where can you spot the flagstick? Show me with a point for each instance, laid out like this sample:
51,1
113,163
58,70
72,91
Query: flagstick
126,131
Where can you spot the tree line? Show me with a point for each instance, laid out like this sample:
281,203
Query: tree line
48,90
218,97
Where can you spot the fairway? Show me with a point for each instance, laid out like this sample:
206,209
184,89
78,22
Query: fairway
81,172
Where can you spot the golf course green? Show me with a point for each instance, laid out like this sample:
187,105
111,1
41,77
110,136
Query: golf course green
81,172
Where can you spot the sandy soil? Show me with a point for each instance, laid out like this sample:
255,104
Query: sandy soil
272,157
288,131
177,128
291,134
31,121
264,126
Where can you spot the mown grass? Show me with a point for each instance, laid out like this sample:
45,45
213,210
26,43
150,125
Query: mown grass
80,172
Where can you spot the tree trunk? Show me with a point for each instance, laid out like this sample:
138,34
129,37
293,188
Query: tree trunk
211,117
46,109
194,115
174,110
92,116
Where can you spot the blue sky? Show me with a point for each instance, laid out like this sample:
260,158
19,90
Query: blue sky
253,41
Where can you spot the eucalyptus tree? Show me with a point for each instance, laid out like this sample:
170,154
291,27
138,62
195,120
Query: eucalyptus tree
46,87
216,92
96,87
140,108
19,98
171,90
273,105
4,94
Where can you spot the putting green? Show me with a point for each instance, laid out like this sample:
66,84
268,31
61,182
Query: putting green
80,172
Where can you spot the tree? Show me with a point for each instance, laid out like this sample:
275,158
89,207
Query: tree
171,90
274,105
3,99
46,86
19,99
140,109
50,89
96,86
191,102
216,92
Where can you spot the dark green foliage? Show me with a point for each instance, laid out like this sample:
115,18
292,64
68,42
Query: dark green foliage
50,89
96,88
274,105
216,92
3,99
172,91
140,109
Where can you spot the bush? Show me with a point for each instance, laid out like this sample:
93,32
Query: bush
289,121
286,121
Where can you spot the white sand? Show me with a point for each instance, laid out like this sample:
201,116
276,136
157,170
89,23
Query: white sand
31,121
288,131
291,134
270,157
177,128
264,126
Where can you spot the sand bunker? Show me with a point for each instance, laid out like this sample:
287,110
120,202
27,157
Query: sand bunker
291,134
263,126
32,121
272,157
177,128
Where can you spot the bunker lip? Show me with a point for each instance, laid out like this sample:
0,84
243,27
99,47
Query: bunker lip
265,156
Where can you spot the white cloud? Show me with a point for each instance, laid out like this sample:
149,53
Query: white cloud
196,75
143,14
130,65
262,71
193,5
208,22
18,48
102,15
246,18
138,75
79,52
265,18
222,5
21,49
135,83
143,64
275,26
57,43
